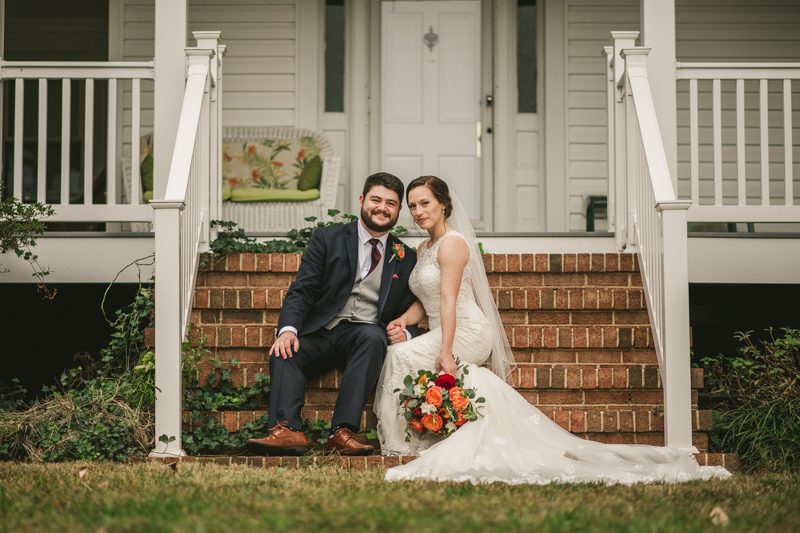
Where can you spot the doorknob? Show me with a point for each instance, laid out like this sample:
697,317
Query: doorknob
489,100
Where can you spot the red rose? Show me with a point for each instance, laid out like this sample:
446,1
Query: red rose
445,381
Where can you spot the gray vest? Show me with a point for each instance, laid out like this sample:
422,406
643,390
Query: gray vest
362,304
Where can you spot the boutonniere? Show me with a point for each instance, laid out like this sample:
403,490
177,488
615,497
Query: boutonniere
398,252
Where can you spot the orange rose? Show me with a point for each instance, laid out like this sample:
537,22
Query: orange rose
251,150
460,421
416,424
434,396
458,401
301,154
432,422
255,173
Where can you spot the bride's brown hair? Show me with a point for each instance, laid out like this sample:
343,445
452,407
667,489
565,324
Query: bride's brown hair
439,189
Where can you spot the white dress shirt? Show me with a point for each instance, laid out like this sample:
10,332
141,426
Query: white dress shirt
364,262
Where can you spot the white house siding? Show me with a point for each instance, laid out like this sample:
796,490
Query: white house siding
589,24
259,77
708,31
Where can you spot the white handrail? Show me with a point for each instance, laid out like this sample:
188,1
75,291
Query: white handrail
656,232
182,231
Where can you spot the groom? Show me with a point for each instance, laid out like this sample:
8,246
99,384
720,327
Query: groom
352,281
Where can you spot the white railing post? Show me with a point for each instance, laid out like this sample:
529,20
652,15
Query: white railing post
180,230
211,187
620,41
169,333
676,372
608,53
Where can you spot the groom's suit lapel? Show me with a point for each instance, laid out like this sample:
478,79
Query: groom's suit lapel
351,237
388,273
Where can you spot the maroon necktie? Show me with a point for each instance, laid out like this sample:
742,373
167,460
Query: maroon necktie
376,255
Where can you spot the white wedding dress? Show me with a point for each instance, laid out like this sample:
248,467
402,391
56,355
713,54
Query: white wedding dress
513,442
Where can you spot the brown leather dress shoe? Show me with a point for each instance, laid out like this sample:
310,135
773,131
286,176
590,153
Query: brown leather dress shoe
280,441
344,441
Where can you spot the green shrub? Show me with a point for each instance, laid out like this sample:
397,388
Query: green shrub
761,421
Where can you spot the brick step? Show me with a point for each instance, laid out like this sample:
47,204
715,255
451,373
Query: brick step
278,262
594,421
520,335
217,293
555,376
539,357
510,316
729,461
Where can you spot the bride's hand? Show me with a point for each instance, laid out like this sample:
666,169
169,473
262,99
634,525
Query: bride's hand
446,364
396,323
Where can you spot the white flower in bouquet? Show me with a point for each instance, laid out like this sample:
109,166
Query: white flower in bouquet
450,426
418,390
428,408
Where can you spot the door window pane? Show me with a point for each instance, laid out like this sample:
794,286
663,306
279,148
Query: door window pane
334,56
526,56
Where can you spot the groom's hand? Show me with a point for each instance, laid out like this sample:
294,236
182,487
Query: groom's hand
286,345
396,331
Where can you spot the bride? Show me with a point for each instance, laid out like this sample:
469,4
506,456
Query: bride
513,442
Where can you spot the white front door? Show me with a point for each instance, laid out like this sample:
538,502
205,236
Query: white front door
431,94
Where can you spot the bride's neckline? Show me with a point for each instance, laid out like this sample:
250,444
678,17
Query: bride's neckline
432,243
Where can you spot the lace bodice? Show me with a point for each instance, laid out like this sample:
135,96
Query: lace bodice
426,279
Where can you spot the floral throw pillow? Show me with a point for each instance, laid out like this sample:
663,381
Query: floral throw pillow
269,164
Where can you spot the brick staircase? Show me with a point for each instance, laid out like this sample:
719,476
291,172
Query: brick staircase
577,324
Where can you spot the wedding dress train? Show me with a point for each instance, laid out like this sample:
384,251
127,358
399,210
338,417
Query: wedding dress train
513,442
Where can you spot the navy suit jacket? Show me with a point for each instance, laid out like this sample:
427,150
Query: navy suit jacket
326,275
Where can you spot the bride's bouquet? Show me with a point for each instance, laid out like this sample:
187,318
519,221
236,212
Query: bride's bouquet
437,403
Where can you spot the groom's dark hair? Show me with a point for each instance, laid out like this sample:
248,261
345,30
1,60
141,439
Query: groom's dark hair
384,179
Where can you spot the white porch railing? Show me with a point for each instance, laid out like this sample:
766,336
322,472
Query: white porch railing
731,198
651,221
182,227
648,217
112,73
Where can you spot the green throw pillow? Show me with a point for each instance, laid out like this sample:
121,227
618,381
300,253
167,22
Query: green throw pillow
147,196
273,195
226,193
147,173
311,175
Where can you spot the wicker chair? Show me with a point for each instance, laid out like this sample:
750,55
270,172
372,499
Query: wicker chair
269,217
263,217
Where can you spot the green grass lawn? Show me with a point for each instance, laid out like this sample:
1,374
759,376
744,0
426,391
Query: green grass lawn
196,498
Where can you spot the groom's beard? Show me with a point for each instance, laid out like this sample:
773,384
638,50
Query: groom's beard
366,217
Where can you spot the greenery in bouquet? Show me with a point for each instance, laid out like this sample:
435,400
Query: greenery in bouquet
437,403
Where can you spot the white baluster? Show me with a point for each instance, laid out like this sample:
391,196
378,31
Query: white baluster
717,127
694,142
787,142
741,178
19,110
41,170
111,146
763,94
66,135
136,118
88,145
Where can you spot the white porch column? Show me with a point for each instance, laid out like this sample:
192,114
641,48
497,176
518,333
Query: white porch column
170,81
658,34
